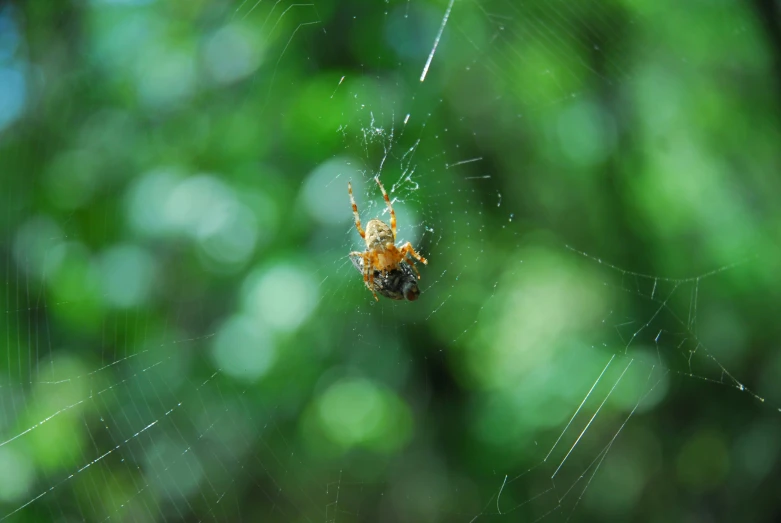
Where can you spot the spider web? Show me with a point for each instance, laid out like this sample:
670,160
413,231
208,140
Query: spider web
187,339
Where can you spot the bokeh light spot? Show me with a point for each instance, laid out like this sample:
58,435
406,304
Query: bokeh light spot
352,411
586,133
13,94
66,428
242,349
325,190
127,275
232,53
171,470
147,201
36,246
9,34
199,206
235,240
165,77
539,314
16,475
356,411
282,297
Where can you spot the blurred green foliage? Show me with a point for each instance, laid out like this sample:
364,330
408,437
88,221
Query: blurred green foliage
595,185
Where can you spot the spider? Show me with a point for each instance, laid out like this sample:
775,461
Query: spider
381,253
396,284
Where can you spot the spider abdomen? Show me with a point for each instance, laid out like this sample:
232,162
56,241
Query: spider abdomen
378,235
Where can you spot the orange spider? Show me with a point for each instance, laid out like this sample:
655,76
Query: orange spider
381,253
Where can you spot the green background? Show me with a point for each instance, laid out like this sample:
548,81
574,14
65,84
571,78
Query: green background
596,188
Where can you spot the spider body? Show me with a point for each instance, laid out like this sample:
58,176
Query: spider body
396,284
379,237
382,255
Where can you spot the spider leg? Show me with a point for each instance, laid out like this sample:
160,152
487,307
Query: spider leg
411,263
407,252
390,207
369,274
407,249
355,211
368,270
